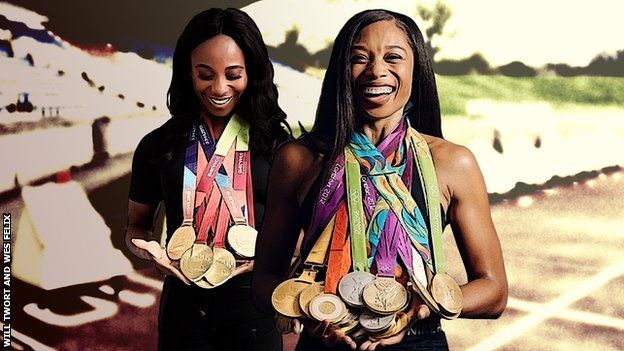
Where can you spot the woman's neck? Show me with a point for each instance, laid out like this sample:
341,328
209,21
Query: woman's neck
376,129
218,124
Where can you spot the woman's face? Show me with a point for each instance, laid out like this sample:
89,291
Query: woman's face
382,64
219,75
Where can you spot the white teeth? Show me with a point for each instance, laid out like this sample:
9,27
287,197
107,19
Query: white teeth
220,101
377,90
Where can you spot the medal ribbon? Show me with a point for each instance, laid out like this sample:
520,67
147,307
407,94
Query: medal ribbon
189,178
339,252
390,186
429,182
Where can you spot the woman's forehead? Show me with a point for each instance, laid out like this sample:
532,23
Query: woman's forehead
381,34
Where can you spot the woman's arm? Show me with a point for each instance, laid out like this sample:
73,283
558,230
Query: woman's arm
140,238
282,224
485,294
141,219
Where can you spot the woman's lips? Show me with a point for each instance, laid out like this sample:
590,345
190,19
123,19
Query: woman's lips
377,95
220,101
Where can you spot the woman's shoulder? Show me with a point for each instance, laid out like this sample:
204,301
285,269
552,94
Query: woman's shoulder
296,153
450,156
157,135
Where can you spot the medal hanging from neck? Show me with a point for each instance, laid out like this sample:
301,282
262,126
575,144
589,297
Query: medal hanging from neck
285,297
442,288
210,214
404,210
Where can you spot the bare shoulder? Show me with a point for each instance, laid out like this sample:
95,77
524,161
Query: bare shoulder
296,162
451,157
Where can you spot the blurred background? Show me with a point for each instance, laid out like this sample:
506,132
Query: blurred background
535,89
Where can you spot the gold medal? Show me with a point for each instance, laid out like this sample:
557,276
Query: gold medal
385,295
327,307
285,297
196,261
242,239
203,283
447,293
223,265
307,295
181,240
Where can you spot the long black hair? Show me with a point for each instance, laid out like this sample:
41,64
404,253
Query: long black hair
258,104
335,114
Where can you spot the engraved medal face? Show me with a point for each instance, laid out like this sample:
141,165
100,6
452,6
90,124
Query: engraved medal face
196,261
352,285
384,295
223,266
446,293
285,297
374,323
181,240
242,239
307,295
327,306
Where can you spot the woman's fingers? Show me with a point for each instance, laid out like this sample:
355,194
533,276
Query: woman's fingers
246,266
297,326
171,269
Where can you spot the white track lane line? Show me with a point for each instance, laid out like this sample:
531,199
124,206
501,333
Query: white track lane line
570,314
549,309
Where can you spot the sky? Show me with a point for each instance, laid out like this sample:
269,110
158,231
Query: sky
533,31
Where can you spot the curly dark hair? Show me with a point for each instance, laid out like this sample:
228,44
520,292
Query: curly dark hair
335,114
258,104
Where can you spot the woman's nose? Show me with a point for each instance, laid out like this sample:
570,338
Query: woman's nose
220,86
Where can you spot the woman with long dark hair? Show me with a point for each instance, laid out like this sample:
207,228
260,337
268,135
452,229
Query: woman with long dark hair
372,185
209,164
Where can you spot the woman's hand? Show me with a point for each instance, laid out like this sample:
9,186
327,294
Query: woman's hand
417,311
160,259
243,266
329,335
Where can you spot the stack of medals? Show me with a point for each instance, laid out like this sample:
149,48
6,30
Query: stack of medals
373,230
217,203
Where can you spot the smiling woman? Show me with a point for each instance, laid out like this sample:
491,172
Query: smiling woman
373,185
209,165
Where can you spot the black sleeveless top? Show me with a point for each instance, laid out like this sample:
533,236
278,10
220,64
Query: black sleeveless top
151,183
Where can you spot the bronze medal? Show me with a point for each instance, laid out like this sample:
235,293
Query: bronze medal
196,261
223,265
181,240
242,239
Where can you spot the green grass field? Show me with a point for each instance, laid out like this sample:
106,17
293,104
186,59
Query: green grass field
456,91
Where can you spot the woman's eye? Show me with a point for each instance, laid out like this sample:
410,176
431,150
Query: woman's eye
235,77
358,59
205,76
393,57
